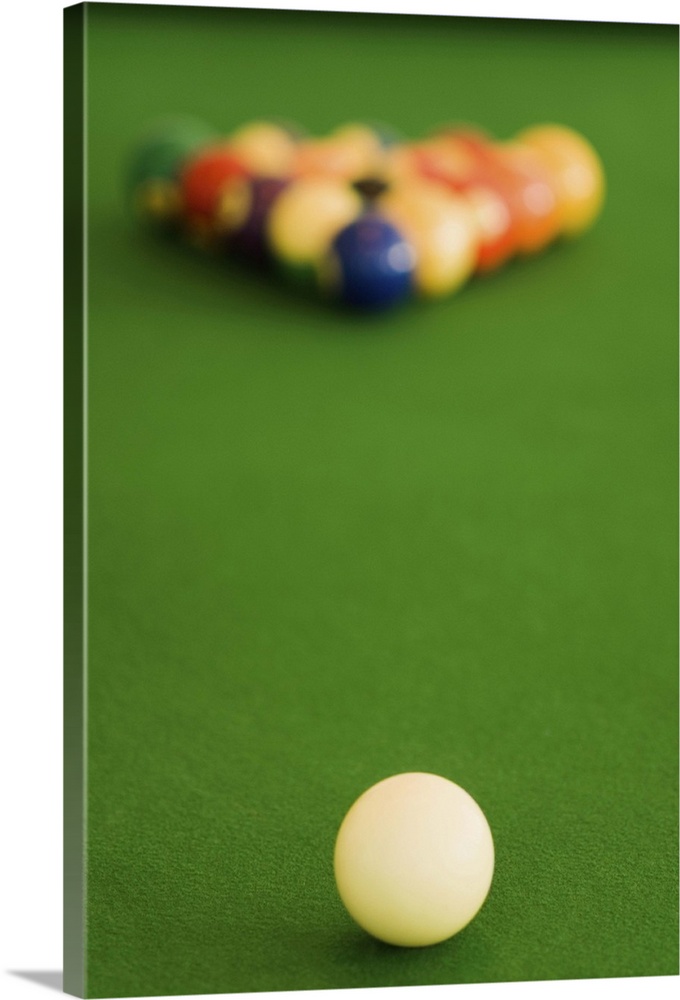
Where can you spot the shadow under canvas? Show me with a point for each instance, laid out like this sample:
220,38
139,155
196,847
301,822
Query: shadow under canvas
52,979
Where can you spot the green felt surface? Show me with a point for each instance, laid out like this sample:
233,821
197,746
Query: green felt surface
324,549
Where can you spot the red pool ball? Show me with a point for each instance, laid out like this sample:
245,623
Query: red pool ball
204,179
456,163
522,181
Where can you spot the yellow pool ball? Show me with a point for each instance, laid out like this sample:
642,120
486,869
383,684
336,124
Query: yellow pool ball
576,170
442,228
265,148
414,859
306,217
350,152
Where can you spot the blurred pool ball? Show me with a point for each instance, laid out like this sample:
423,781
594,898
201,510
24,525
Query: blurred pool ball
443,230
154,166
496,237
243,211
534,196
364,140
577,172
456,165
370,264
371,188
305,218
442,158
266,148
204,180
350,152
522,181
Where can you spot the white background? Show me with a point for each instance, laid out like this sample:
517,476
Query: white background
30,485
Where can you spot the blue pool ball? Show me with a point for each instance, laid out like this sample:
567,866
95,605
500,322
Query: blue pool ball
370,264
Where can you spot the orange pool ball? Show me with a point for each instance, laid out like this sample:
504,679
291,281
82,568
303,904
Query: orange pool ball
524,182
348,153
534,196
456,161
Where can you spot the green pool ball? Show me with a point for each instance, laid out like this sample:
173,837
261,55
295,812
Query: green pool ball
152,172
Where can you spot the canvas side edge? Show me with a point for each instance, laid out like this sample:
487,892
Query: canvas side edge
74,319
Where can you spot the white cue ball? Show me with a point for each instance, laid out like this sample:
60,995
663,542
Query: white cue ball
414,859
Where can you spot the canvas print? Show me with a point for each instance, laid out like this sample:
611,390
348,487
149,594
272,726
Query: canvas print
370,487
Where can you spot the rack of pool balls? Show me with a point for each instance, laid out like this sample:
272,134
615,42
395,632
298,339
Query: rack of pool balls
362,215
